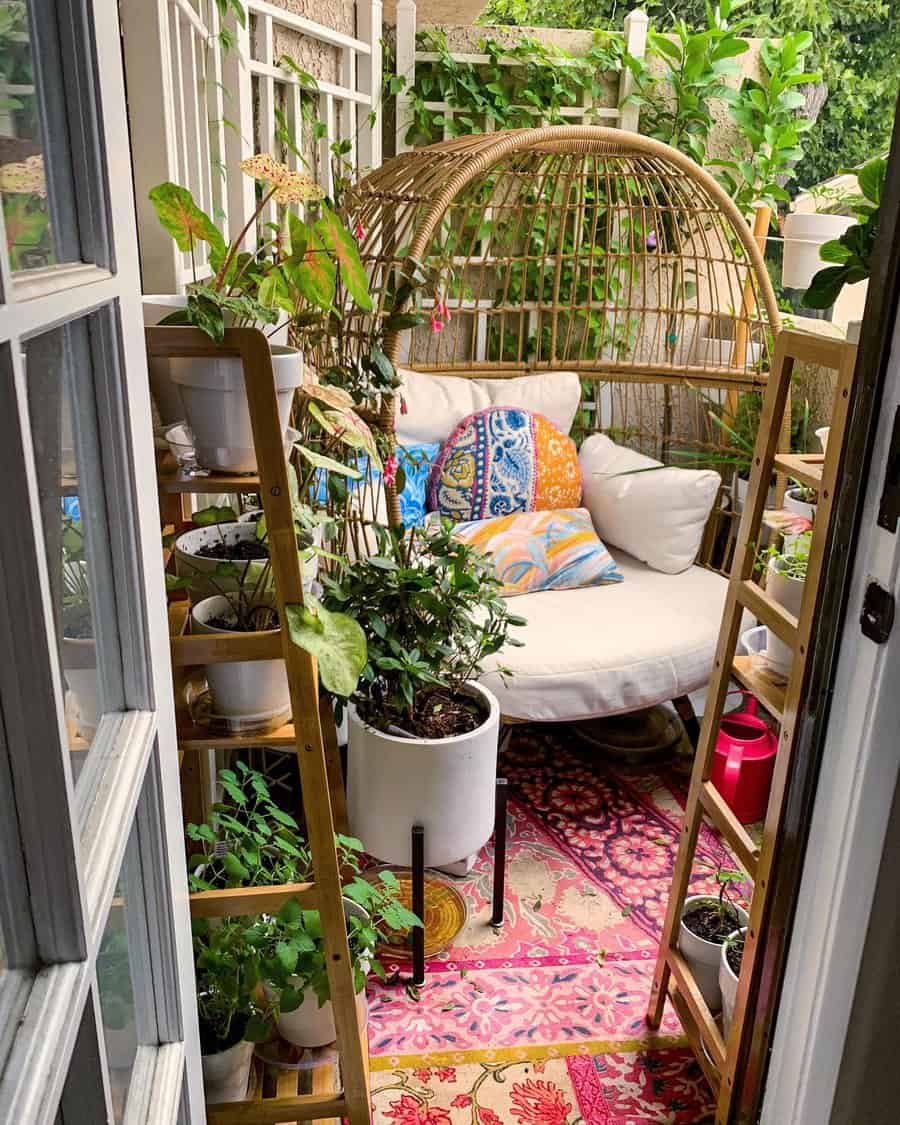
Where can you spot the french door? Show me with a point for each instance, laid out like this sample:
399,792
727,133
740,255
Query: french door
97,1009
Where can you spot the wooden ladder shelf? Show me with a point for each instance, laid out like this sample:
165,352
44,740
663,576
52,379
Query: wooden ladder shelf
313,739
720,1060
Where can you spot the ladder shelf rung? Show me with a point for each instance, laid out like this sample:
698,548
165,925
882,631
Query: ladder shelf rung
805,468
700,1014
197,737
272,1111
763,683
229,902
713,1076
767,611
735,834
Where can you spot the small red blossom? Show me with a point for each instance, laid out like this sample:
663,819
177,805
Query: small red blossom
441,310
461,1101
488,1117
539,1103
359,231
390,477
404,408
409,1111
446,1073
437,325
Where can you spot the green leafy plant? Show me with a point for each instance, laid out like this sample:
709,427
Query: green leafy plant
853,253
114,980
767,113
430,608
791,559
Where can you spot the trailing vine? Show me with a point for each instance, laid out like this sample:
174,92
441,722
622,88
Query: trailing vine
495,95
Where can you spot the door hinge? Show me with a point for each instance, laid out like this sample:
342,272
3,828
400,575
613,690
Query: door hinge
877,617
889,508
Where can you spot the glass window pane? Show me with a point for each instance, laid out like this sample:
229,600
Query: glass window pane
117,1008
58,369
38,200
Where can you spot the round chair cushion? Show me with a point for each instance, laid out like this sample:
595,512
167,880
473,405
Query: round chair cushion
502,460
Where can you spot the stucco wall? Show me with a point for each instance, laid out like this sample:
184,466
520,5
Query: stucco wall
320,60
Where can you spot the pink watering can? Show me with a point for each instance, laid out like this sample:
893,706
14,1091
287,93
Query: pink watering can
744,762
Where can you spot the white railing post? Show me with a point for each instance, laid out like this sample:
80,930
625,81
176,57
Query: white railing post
406,67
238,134
369,29
636,24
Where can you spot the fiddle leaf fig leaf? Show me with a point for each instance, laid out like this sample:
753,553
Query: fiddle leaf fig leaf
334,639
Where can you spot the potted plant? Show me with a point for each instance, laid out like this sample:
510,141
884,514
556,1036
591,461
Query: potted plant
423,732
116,998
729,974
785,568
706,921
305,271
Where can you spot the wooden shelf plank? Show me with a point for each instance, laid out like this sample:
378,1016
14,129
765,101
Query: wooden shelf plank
713,1076
767,611
178,480
196,737
272,1111
805,468
767,687
231,901
221,649
735,834
700,1014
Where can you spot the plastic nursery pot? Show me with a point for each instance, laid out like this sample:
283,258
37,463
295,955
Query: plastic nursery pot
788,592
226,1074
804,236
215,403
444,784
247,695
728,981
311,1025
704,956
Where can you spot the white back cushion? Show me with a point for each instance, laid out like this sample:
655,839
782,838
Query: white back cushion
436,404
658,516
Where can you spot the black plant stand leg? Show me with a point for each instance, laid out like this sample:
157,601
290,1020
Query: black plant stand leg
499,851
418,903
686,713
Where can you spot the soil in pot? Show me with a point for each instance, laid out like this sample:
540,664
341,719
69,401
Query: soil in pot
438,714
262,619
709,922
210,1044
239,550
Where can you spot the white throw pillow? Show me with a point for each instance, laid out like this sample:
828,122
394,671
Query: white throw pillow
436,404
658,516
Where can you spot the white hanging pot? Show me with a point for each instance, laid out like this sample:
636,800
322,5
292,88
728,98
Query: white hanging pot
247,695
226,1074
310,1025
444,784
728,983
215,403
788,592
704,956
804,235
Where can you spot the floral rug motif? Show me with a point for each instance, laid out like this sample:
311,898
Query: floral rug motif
542,1023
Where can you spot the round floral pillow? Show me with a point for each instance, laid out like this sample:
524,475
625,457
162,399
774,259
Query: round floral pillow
503,460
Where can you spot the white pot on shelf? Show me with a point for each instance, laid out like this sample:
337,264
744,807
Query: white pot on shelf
247,695
788,592
822,434
728,983
445,784
226,1074
215,403
79,659
704,957
804,236
793,503
310,1025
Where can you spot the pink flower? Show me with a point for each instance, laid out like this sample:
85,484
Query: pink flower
461,1101
786,521
488,1117
409,1111
441,310
539,1103
446,1073
359,231
652,241
390,477
437,325
404,409
422,1074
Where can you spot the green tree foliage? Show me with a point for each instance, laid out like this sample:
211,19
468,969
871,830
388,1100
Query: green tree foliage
856,45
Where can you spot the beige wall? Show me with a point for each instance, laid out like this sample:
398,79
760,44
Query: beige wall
320,60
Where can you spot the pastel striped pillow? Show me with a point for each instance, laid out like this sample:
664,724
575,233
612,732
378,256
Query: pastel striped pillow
557,550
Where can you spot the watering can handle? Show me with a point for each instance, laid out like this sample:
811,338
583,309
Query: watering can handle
732,773
750,699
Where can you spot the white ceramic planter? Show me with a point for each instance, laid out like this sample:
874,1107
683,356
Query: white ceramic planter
804,235
793,504
717,352
248,695
446,785
789,593
227,1073
188,564
312,1026
822,434
728,983
704,956
79,658
215,403
739,490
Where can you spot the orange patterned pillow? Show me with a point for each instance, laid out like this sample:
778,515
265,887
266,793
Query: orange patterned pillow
503,460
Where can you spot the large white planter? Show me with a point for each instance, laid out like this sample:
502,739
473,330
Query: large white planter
789,593
246,694
79,657
715,351
227,1073
215,403
728,984
804,235
312,1026
704,956
446,785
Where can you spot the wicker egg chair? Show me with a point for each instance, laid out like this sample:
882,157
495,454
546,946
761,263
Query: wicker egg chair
593,250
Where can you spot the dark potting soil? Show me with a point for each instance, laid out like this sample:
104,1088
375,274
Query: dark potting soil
259,620
711,923
439,714
734,953
210,1044
241,550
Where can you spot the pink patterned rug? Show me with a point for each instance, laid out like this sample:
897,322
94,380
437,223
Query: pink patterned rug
542,1023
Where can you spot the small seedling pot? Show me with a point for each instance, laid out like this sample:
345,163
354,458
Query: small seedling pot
728,982
788,592
196,567
704,956
247,695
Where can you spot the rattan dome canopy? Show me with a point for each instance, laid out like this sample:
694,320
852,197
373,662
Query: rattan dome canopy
569,247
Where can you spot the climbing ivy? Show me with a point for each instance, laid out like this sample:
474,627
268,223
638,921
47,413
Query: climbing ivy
495,95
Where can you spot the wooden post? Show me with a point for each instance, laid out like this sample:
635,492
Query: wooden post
636,27
761,221
406,68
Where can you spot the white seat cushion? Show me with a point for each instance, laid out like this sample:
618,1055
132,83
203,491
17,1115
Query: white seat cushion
607,650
